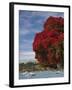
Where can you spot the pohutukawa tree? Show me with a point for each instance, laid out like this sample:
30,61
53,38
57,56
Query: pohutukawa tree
49,44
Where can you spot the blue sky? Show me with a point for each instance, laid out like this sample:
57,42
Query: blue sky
30,23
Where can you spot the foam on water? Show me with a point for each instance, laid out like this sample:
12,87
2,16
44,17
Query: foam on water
41,74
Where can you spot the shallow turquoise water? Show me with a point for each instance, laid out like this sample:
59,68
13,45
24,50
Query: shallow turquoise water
41,74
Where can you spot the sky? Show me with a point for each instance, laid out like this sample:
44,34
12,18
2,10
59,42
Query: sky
30,23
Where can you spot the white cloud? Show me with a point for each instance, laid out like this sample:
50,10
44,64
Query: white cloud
24,31
28,31
27,56
27,53
25,46
46,14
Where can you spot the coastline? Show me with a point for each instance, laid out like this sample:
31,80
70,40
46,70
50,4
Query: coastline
33,67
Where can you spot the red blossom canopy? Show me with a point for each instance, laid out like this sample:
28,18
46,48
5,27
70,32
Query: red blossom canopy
51,37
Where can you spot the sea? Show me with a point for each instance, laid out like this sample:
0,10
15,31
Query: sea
40,74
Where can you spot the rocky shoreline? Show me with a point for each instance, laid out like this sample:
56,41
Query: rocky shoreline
31,67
